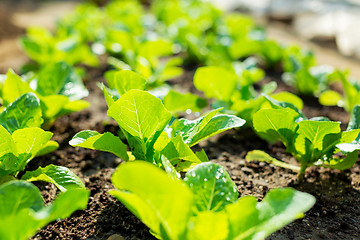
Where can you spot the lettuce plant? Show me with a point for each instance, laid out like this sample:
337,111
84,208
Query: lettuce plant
301,72
351,89
44,47
143,121
204,205
23,211
310,142
234,90
58,87
122,81
22,140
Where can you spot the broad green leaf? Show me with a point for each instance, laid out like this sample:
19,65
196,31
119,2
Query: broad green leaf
259,220
49,147
52,105
276,124
23,212
24,112
162,203
30,140
104,142
211,81
330,98
314,139
212,187
126,80
194,131
61,176
178,102
208,225
177,150
289,98
60,79
14,87
143,117
7,144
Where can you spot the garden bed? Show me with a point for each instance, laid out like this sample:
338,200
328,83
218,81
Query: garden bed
335,215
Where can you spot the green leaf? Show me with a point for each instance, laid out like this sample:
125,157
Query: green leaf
126,80
49,147
7,144
276,124
52,105
355,120
60,79
344,163
208,225
259,220
23,212
178,102
24,112
143,117
289,98
61,176
30,140
104,142
212,187
316,139
211,80
177,150
170,169
194,131
162,203
14,87
330,98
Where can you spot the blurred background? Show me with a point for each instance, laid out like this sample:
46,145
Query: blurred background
330,28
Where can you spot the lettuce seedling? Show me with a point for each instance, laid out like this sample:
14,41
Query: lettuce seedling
44,47
233,89
351,89
310,142
58,87
204,205
143,120
119,82
301,72
23,211
23,140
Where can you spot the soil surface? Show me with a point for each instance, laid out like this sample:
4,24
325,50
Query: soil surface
336,214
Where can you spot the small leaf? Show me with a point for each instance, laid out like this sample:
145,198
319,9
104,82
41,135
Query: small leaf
276,124
104,142
126,80
49,147
212,187
62,177
24,112
330,98
194,131
211,80
178,102
14,87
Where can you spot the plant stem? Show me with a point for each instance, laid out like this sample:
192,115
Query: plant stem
302,171
285,165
